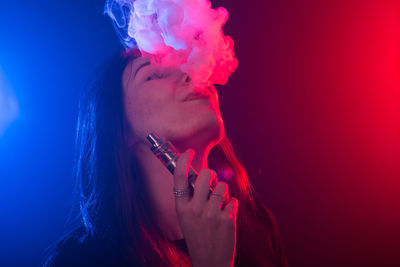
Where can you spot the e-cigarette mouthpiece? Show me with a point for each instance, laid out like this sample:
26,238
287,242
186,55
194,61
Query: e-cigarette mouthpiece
168,155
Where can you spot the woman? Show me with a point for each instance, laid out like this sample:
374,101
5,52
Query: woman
129,215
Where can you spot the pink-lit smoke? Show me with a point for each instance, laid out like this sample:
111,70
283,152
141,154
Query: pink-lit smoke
186,34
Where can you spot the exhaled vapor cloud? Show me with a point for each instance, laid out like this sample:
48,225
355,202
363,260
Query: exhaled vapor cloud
181,33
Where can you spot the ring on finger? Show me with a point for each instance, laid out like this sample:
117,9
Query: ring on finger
181,192
219,195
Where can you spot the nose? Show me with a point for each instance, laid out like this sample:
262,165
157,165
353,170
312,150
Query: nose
186,78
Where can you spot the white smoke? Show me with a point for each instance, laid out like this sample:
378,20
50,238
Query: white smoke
182,33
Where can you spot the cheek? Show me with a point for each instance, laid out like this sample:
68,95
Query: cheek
146,111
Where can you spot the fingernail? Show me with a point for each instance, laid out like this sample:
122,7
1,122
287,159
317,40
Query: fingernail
191,152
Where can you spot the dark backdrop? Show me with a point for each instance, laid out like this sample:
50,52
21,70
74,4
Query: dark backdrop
313,111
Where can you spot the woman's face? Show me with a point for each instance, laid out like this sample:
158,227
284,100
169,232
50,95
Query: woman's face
156,99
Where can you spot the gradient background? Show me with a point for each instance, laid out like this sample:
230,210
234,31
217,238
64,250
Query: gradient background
313,111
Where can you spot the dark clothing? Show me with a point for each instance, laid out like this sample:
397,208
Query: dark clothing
258,244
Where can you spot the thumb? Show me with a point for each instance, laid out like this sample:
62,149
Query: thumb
182,169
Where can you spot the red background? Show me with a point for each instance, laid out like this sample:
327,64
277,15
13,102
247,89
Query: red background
314,112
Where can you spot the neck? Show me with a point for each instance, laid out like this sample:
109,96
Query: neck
160,182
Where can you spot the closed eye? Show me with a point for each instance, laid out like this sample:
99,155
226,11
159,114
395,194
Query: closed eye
154,76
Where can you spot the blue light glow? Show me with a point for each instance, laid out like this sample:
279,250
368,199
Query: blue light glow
8,104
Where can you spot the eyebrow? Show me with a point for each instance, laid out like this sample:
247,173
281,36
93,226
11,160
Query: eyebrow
141,66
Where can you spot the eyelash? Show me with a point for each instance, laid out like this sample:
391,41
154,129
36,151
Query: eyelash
159,76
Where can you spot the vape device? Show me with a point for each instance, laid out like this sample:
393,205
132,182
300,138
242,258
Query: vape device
168,155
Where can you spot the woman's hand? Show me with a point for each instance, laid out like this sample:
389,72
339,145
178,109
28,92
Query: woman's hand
209,226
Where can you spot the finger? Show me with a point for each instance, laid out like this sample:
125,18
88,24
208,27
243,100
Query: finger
217,199
232,207
214,180
181,171
202,189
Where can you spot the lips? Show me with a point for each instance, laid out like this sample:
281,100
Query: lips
198,95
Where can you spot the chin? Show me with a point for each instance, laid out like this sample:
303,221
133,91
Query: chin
205,132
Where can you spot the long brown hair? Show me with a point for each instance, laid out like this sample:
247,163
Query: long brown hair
109,188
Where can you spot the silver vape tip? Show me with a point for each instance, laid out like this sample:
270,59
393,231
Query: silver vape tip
154,139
